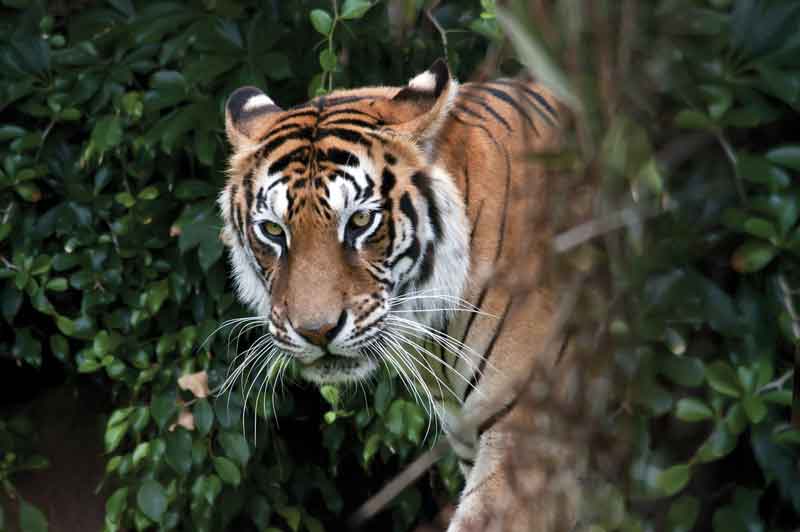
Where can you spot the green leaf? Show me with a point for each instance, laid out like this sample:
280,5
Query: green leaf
787,437
163,408
720,443
331,394
395,417
235,446
779,397
107,134
59,347
292,516
152,500
10,302
312,524
683,514
755,408
752,256
783,207
260,511
29,192
760,170
691,119
787,156
114,435
321,21
10,132
328,60
686,371
675,341
784,84
761,228
168,79
57,284
148,193
140,453
179,450
354,9
415,421
155,296
116,504
227,470
719,99
203,416
741,515
371,447
31,519
692,410
383,396
722,378
674,479
190,189
736,419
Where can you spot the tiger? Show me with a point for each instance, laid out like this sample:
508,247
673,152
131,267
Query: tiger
383,227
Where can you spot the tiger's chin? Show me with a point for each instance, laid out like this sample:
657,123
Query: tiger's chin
334,369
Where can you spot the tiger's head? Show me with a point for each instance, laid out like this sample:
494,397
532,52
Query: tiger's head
336,214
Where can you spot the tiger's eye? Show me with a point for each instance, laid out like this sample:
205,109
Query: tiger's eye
361,219
273,229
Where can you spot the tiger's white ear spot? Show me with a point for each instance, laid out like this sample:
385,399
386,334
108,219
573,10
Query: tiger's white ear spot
256,102
247,114
425,82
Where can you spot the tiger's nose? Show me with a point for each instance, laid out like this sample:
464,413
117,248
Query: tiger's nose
322,335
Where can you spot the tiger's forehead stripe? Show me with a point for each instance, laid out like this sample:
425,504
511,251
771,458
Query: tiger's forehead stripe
295,153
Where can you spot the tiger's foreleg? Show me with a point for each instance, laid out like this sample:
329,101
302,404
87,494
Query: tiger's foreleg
524,474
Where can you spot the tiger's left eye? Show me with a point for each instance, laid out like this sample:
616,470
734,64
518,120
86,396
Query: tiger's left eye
361,219
273,229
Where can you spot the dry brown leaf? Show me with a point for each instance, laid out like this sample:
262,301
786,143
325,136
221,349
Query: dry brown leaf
185,420
197,383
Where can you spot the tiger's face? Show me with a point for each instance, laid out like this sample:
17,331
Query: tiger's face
333,215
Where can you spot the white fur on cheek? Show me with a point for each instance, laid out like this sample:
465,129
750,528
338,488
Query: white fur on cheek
451,259
249,285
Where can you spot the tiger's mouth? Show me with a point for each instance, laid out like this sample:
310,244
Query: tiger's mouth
332,369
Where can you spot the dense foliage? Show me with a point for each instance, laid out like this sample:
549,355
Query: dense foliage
112,277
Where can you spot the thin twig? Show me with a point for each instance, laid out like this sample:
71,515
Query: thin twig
552,344
669,158
380,500
789,305
439,28
731,155
7,264
599,226
778,383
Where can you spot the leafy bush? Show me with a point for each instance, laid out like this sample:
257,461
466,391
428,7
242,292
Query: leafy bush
112,273
112,276
701,173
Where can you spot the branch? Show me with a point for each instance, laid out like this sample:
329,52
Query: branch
405,478
379,501
439,28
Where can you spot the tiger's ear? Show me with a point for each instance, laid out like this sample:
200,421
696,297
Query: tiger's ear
248,113
420,108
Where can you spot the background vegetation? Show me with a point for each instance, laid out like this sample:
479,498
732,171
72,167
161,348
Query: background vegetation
112,277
